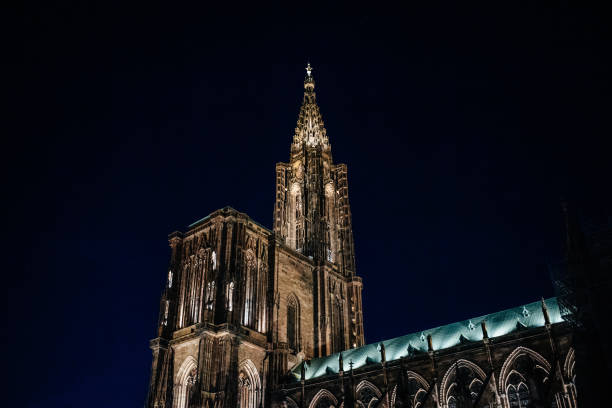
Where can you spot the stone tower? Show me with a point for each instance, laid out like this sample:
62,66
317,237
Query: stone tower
242,304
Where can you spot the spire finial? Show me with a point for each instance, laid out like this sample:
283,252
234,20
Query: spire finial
309,81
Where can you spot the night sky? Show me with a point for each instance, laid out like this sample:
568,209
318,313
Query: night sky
462,128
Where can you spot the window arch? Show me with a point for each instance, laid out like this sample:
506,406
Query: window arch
518,395
185,379
323,399
522,377
293,323
250,281
459,380
367,393
508,365
337,323
249,385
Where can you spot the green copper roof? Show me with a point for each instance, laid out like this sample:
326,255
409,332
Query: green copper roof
498,324
199,221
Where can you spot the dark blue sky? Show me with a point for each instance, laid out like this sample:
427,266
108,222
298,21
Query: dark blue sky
462,128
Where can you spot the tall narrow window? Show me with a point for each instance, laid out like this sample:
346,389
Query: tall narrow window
249,290
166,308
293,324
249,386
523,395
210,295
214,260
169,279
229,295
518,396
337,325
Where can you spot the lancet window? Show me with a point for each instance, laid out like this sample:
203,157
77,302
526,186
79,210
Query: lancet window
185,381
293,324
166,308
250,283
194,292
337,325
210,295
229,296
249,386
518,396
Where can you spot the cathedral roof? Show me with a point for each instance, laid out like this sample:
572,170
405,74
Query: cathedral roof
443,337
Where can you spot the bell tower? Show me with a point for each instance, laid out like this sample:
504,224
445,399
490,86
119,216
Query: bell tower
312,214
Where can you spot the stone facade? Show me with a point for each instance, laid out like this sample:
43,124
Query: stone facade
247,312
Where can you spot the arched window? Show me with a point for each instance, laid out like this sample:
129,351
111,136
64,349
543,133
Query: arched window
462,382
475,388
210,295
452,402
293,324
323,399
367,393
523,366
185,381
518,396
523,395
250,281
249,385
337,325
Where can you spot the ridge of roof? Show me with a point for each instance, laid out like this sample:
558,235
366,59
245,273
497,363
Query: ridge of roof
227,207
443,337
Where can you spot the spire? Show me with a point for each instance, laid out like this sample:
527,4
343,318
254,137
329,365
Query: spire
310,129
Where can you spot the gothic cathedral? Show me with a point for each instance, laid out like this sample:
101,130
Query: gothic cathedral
254,318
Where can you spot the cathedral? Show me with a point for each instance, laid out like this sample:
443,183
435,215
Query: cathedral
252,317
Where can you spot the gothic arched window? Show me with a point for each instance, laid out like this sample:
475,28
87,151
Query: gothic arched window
518,396
250,282
366,396
185,381
293,323
210,295
249,386
337,325
523,394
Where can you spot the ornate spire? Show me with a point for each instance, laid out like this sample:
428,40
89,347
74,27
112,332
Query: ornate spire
310,130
